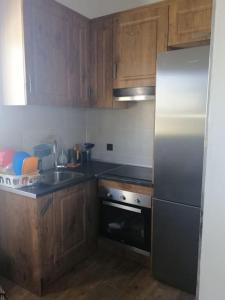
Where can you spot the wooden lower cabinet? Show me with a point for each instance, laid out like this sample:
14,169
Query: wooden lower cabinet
19,241
42,239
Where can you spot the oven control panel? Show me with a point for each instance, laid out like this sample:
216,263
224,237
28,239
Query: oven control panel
125,196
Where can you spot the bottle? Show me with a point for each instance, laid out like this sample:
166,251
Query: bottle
63,160
78,153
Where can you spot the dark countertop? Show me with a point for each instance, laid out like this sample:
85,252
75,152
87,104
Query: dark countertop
90,170
130,174
95,168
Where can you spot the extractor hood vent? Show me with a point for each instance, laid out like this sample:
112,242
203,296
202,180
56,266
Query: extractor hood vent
134,94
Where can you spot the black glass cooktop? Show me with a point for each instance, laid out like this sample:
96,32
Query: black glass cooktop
131,173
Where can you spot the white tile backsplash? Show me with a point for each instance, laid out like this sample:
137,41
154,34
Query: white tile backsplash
24,127
130,130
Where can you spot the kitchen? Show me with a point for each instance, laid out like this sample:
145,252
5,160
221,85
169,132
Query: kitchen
73,70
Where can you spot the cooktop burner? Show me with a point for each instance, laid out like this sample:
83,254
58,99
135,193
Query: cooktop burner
131,172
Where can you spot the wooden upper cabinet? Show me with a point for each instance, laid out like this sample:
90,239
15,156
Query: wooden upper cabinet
64,59
101,58
189,22
57,54
139,35
79,61
47,46
101,64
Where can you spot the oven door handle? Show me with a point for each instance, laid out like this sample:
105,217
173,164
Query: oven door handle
133,209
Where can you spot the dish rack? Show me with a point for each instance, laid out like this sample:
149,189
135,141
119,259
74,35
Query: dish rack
15,182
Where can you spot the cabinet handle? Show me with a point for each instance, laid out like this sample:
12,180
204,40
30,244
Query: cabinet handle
114,71
89,92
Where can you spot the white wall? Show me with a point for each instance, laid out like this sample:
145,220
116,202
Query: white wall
131,131
212,266
97,8
23,127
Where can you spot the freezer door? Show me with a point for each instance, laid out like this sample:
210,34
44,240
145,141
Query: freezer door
181,101
175,244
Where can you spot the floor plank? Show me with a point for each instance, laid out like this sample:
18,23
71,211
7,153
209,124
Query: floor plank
102,277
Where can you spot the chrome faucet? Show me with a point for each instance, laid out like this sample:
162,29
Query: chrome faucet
55,152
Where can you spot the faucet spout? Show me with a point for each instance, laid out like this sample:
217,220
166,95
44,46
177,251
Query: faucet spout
55,152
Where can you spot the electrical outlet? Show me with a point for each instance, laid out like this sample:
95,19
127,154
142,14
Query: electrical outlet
109,147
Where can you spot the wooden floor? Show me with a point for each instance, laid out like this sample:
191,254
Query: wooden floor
102,277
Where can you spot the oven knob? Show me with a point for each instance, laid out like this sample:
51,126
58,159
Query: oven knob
123,198
109,195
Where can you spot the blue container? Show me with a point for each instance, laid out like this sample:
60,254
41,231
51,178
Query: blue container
42,150
17,163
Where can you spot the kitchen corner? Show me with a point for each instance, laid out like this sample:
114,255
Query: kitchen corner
103,113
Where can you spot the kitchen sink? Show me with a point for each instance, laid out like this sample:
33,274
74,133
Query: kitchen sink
58,177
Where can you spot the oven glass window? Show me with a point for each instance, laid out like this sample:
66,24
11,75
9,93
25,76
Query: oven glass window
129,227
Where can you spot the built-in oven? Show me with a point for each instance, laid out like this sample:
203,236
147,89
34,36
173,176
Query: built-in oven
126,218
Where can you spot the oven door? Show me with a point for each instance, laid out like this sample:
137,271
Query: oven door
127,224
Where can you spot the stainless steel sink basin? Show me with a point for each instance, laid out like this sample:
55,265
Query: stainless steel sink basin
59,177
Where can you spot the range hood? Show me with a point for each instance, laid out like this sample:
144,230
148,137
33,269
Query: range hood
134,94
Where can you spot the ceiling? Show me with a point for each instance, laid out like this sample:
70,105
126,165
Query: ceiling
97,8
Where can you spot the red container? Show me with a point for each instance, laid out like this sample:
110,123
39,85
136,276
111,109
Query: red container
6,157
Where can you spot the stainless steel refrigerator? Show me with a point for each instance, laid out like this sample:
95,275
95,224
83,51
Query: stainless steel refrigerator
181,104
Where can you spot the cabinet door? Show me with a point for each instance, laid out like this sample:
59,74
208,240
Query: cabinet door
189,22
19,241
49,236
47,45
68,229
139,35
79,61
102,62
72,218
175,244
